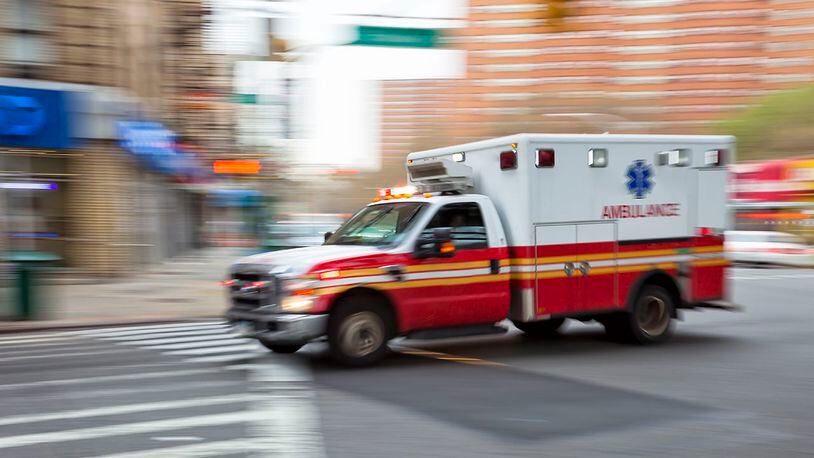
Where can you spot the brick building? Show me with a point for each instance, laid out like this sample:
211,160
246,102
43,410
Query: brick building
140,59
655,66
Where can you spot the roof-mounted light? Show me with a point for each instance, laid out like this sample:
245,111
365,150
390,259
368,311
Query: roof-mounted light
439,175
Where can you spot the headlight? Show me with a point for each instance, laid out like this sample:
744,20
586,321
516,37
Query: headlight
298,295
297,304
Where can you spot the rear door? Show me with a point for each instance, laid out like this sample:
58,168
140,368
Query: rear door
596,266
556,258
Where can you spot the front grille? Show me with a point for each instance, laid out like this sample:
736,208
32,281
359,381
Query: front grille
253,289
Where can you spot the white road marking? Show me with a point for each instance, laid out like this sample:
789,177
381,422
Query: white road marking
213,350
224,358
214,343
216,448
206,338
127,409
290,425
177,438
53,348
141,427
25,340
157,331
100,393
161,335
65,355
134,328
104,378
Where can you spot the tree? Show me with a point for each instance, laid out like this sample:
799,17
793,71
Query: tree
778,126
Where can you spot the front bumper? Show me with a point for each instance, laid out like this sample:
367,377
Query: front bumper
279,328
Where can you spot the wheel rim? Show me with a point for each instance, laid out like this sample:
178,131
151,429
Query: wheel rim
653,316
361,334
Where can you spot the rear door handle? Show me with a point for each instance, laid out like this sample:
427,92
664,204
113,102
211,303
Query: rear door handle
494,266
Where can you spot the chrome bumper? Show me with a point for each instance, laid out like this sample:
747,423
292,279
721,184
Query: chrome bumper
279,328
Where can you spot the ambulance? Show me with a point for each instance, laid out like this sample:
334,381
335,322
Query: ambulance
532,229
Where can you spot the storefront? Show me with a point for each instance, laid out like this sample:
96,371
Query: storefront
168,213
35,144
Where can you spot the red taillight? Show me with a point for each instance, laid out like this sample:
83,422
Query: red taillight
228,282
258,284
705,231
508,160
545,158
787,250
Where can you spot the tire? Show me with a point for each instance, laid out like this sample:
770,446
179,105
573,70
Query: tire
545,329
650,320
359,331
281,348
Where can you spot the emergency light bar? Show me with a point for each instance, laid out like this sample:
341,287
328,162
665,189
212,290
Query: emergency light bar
439,175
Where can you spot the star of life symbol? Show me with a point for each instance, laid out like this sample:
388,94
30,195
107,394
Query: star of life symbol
640,179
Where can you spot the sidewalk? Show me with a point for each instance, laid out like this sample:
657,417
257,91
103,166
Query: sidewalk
185,287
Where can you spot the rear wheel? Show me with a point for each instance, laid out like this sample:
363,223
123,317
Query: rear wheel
650,320
541,329
359,331
281,348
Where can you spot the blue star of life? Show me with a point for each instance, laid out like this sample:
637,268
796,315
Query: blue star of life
640,179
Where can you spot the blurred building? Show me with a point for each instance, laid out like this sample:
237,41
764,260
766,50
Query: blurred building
666,66
138,106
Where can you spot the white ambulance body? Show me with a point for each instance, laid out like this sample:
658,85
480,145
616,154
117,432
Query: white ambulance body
537,228
586,196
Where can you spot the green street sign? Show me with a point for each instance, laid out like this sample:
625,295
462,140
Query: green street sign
396,37
250,99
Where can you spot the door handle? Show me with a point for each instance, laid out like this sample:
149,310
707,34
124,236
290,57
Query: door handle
584,268
494,266
397,271
568,268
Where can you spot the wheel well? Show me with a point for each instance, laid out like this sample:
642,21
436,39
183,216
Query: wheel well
657,278
371,296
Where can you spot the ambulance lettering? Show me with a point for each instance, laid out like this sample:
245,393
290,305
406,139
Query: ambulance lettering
640,211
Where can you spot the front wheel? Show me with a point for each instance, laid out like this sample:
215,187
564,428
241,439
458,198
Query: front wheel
650,321
281,348
358,334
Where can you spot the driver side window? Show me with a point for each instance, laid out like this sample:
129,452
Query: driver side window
466,223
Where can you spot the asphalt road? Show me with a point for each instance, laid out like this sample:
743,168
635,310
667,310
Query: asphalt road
728,384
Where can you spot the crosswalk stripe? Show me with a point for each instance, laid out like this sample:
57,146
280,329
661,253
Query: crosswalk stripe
206,338
64,355
95,331
43,348
214,350
161,335
224,358
141,427
233,341
156,331
104,378
130,390
216,448
127,409
24,340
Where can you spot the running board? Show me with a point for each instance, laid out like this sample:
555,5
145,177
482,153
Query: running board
457,331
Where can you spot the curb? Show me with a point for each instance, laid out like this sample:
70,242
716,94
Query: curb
35,326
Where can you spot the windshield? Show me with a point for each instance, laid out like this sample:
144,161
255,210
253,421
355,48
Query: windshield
378,224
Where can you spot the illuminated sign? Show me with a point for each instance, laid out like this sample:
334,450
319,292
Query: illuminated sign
33,118
236,167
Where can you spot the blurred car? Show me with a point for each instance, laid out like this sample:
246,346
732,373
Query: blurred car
301,230
768,247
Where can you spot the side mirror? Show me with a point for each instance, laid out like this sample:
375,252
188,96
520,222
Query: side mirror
328,235
437,245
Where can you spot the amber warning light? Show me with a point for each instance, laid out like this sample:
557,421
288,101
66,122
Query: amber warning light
236,167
